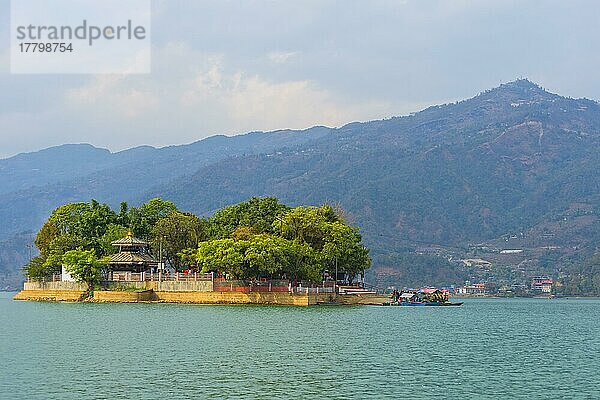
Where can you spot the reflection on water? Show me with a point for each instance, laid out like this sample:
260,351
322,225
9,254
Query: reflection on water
487,348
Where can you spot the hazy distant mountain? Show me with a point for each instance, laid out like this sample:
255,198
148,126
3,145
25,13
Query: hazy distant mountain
512,160
33,184
515,161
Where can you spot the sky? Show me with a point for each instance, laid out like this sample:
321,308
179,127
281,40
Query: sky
231,67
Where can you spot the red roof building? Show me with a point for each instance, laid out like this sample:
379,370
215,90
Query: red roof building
542,284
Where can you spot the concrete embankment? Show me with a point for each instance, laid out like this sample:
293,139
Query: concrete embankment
50,295
112,296
208,297
183,292
51,291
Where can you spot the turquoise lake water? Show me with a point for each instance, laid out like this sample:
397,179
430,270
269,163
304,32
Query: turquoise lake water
486,349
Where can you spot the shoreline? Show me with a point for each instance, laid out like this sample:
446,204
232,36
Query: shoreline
196,297
70,295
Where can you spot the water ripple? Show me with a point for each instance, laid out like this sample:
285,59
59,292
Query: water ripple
487,349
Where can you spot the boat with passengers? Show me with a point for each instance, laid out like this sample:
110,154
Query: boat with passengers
425,297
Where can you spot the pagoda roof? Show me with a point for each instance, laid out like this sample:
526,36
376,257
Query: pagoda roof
127,257
129,240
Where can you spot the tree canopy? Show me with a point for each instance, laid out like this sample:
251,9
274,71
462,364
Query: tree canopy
91,226
176,232
585,278
257,214
142,220
262,238
84,266
257,238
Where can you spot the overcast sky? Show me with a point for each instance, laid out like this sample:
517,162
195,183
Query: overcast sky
229,67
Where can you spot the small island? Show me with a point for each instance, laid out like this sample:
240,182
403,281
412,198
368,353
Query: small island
256,252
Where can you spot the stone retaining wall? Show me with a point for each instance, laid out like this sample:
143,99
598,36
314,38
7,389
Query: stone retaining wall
202,296
50,295
110,296
358,299
163,286
234,298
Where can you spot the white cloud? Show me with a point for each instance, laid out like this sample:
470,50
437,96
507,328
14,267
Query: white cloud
253,102
191,95
115,94
276,65
281,57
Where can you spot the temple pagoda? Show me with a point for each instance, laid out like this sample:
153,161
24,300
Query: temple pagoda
133,255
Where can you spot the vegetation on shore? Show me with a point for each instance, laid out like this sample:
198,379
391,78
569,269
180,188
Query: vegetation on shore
257,238
457,181
584,279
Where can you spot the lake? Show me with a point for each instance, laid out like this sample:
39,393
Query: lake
486,349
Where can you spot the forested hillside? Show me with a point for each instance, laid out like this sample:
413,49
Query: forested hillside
515,166
513,160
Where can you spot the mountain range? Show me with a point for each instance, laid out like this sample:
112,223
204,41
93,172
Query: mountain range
515,167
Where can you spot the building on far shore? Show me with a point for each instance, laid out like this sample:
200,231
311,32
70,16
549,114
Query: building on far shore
472,290
133,256
542,284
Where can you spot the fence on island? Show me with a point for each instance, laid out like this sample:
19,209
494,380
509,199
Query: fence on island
126,276
313,290
219,284
43,279
269,285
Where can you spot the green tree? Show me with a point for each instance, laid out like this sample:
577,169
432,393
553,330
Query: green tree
267,255
93,226
342,244
82,220
45,236
327,234
307,224
143,219
223,255
260,256
84,266
36,269
176,232
243,233
300,243
303,262
123,216
113,232
67,218
94,222
59,246
256,213
189,257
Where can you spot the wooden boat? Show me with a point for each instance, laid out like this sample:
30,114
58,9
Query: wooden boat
423,298
422,304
